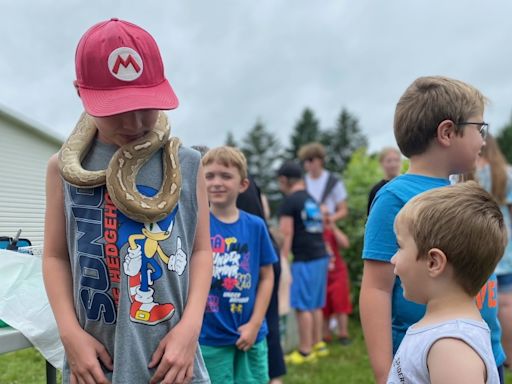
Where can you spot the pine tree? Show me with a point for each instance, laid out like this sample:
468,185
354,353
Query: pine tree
342,141
262,151
230,140
305,131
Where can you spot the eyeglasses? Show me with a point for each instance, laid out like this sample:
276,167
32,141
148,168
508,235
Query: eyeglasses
309,159
483,127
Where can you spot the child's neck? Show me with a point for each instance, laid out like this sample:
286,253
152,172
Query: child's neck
426,166
450,306
434,162
227,214
298,186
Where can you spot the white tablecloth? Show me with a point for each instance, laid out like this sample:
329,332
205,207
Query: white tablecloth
24,304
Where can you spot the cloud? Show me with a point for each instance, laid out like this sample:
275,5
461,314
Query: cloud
232,62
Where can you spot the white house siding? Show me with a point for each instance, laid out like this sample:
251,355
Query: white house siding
24,153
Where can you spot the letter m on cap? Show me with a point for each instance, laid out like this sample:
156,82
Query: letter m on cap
125,63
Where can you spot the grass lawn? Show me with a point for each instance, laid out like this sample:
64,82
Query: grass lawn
345,364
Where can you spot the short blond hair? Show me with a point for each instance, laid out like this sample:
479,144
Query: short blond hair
465,222
386,151
227,156
426,103
311,150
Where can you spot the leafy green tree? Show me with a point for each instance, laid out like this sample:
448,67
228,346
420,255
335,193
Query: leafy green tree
262,150
361,173
504,139
342,141
306,130
230,140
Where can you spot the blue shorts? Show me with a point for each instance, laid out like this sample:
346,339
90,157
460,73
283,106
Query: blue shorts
504,283
309,284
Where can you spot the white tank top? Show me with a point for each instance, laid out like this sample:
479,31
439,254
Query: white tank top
410,361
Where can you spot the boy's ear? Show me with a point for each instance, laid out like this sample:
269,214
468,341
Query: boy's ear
244,184
445,132
436,262
75,84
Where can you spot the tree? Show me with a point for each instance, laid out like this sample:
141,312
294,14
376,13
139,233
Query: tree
504,139
230,140
262,151
342,141
306,131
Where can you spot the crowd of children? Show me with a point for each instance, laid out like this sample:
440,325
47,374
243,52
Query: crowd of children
188,293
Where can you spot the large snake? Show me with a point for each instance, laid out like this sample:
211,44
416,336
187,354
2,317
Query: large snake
121,173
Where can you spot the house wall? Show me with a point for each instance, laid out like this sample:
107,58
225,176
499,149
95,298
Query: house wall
24,153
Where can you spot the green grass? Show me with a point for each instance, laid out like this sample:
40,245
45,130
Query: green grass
345,364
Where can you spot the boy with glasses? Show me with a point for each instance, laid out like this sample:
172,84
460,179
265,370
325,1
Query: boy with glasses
431,130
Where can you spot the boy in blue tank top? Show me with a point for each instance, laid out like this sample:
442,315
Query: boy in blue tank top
439,126
450,240
233,333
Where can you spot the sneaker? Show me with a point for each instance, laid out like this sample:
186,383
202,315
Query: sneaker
344,340
321,349
297,358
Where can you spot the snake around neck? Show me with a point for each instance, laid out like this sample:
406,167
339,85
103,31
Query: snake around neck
121,173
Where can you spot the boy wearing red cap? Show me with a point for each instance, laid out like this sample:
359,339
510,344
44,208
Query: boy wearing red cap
127,257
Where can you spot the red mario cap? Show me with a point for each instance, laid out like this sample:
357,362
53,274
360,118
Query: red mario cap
119,69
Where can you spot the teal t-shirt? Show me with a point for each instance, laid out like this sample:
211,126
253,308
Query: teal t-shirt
380,245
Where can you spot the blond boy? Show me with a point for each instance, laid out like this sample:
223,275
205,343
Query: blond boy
450,240
233,334
439,126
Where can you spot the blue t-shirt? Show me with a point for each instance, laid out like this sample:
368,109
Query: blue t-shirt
239,250
380,245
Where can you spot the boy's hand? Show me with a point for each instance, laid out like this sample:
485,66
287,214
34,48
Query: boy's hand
178,261
174,356
83,352
248,334
133,261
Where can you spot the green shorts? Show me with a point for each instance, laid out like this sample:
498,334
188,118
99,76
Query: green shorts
229,365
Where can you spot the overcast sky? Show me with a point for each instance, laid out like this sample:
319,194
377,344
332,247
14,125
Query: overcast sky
232,62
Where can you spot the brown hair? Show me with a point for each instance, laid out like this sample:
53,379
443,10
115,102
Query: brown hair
311,150
426,103
227,156
492,153
465,222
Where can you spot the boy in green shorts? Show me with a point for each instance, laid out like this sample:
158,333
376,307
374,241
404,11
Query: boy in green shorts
233,333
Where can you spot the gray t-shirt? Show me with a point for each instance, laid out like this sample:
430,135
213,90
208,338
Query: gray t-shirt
410,361
130,303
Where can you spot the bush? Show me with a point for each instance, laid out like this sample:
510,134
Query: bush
362,173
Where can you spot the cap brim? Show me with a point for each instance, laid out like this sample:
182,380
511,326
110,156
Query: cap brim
101,103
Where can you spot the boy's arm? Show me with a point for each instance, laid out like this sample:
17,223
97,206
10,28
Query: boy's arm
341,211
375,311
452,361
82,350
375,300
175,353
286,229
340,237
249,331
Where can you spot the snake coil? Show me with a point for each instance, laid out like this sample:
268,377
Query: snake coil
121,173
